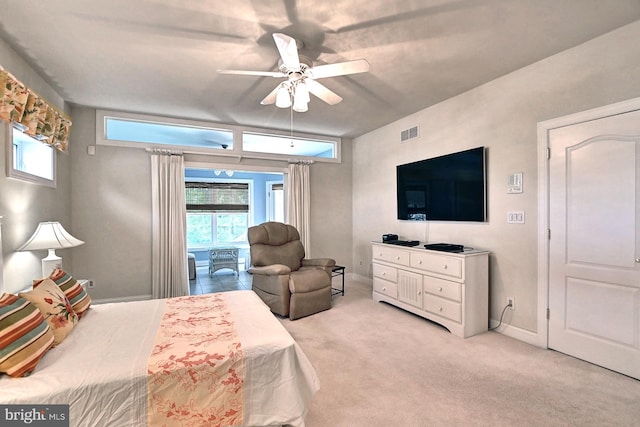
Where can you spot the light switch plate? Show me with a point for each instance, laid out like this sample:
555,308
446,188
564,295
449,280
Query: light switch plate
515,217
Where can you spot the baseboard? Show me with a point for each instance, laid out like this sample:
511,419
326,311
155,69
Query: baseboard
123,299
517,333
360,278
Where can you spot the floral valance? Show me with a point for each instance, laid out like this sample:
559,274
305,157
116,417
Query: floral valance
32,113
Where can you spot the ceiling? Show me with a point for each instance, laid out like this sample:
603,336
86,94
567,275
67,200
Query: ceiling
160,56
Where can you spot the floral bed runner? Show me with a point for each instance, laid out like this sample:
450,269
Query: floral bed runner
196,371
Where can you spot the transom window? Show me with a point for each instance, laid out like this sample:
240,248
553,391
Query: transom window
139,131
197,137
289,145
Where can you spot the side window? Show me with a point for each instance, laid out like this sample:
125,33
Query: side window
29,159
275,201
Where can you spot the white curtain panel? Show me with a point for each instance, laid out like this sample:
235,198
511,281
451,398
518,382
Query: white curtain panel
1,268
169,274
299,202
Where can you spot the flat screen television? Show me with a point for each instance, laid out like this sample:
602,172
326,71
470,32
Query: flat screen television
446,188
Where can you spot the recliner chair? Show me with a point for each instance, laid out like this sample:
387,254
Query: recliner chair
283,278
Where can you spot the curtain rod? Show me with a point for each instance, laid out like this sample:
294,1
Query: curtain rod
164,151
301,162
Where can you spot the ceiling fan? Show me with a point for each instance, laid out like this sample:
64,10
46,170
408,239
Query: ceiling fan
301,76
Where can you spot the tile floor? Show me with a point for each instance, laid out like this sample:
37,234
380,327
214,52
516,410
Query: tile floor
222,281
226,280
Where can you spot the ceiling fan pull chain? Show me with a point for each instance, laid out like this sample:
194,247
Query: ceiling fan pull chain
291,119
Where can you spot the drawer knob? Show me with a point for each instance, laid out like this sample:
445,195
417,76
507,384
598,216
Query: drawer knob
440,309
420,262
419,293
440,289
384,289
397,257
384,273
444,266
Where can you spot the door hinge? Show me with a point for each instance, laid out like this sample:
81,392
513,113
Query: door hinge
548,314
548,153
548,234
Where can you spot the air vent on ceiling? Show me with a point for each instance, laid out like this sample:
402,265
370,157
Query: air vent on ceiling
411,133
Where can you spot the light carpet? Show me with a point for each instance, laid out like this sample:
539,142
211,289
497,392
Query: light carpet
381,366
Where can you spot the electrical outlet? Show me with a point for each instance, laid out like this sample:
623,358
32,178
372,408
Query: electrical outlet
511,302
91,284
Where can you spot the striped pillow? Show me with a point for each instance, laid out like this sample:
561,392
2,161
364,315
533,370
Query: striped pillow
75,293
55,307
24,336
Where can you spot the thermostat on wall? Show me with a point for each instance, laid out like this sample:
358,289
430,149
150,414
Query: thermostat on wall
515,183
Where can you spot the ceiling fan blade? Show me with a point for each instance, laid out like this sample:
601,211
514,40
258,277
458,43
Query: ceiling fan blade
322,92
288,50
340,69
271,98
451,6
253,73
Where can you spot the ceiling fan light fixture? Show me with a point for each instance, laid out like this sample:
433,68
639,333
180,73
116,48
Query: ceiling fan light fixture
301,75
301,97
302,92
300,105
283,97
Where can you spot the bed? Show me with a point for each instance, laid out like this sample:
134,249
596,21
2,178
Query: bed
215,359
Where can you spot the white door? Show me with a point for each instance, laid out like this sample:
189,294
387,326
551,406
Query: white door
594,246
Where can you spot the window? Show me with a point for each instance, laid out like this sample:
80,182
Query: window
29,159
198,137
180,135
217,213
269,143
275,201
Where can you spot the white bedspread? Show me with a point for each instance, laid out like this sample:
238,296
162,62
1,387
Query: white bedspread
100,369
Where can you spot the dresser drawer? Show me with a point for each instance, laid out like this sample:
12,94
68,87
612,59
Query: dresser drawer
442,307
385,287
385,272
443,288
441,264
391,254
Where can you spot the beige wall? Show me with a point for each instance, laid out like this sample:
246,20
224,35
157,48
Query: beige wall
24,205
111,210
502,116
331,209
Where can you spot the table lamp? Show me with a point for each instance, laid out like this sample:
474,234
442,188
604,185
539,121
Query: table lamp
51,236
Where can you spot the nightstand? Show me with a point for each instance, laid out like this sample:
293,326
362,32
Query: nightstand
338,270
84,283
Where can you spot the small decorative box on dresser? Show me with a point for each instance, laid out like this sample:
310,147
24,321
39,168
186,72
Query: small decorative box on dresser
451,289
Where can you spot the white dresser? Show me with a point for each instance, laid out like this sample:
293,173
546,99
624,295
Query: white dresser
451,289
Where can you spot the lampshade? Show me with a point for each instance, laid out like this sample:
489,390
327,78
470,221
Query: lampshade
283,97
50,235
302,91
301,97
300,105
